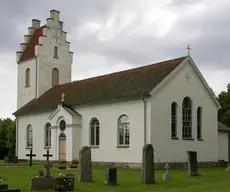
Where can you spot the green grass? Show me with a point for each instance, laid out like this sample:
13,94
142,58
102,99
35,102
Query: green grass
212,180
20,163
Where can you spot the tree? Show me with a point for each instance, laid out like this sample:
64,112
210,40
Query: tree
7,137
224,113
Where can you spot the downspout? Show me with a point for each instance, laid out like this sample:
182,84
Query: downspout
16,145
36,76
144,118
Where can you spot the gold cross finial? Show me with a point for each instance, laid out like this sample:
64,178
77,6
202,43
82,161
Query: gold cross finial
63,97
189,49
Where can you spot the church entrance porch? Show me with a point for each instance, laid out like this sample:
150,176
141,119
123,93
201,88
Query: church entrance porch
62,147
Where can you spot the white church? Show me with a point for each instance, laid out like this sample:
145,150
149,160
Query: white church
168,104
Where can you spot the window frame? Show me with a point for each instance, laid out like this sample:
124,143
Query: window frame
55,76
56,52
174,122
199,123
27,77
94,133
187,118
123,129
47,141
29,136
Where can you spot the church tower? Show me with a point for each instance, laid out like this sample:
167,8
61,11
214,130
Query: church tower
44,59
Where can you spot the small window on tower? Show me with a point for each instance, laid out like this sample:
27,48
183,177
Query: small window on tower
55,77
27,83
55,52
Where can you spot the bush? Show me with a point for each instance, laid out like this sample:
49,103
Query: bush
73,166
61,167
64,183
75,161
62,162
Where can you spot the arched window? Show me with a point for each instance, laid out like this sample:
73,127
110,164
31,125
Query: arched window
55,52
62,125
27,83
55,77
29,136
47,135
62,136
94,133
187,118
174,120
124,131
199,122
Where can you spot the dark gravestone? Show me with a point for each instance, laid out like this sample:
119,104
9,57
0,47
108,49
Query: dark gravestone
42,183
147,172
85,168
111,176
3,186
192,163
45,182
7,159
31,155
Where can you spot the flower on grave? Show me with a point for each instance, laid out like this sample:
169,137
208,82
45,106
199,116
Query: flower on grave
41,172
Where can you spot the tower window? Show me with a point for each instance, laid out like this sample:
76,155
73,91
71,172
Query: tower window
55,52
55,77
27,83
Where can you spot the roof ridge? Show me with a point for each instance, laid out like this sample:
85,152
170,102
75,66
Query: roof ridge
123,71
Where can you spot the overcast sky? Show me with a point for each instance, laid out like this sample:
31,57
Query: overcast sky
113,35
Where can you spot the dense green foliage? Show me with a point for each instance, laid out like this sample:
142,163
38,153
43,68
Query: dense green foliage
224,113
7,137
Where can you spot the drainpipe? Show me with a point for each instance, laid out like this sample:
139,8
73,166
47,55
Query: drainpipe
36,76
144,118
16,145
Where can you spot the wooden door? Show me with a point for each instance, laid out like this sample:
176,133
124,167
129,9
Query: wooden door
62,149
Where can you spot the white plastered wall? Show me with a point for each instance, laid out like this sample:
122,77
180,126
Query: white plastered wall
169,150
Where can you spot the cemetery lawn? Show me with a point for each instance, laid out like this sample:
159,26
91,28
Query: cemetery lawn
212,180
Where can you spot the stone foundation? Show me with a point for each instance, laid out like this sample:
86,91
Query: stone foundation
173,165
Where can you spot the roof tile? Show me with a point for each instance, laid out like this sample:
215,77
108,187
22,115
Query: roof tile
30,48
129,84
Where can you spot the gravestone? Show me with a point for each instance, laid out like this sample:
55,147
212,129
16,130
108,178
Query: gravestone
7,159
10,190
147,172
31,155
192,163
45,182
48,164
85,165
4,187
166,176
111,176
42,183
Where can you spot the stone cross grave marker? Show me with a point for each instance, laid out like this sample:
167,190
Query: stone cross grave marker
47,165
85,168
166,175
192,163
31,155
147,172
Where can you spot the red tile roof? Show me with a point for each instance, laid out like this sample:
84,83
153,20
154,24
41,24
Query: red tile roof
124,85
222,127
30,48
